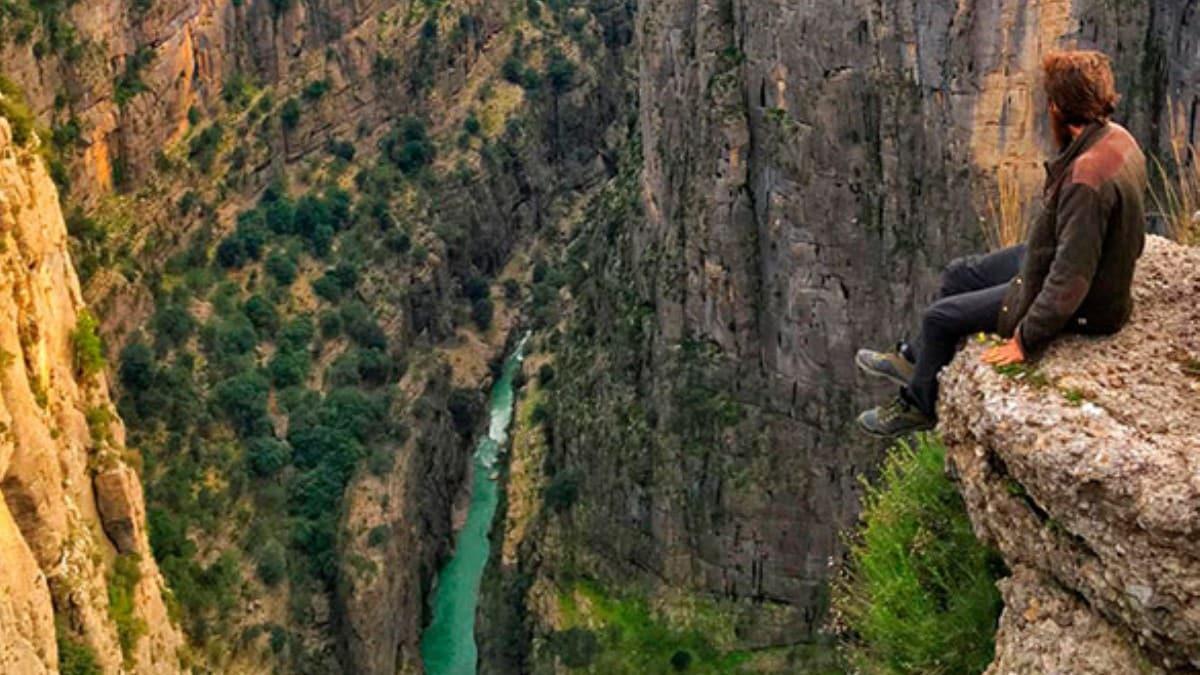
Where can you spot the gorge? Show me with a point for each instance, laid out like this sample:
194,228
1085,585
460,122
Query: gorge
306,232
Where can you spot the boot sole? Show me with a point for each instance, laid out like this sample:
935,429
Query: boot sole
866,368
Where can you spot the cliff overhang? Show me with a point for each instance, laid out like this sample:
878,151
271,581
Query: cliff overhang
1083,469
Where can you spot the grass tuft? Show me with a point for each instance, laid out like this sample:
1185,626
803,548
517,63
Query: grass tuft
918,594
1176,192
1006,225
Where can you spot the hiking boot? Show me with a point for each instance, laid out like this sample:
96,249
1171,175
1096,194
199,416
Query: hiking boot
894,419
891,365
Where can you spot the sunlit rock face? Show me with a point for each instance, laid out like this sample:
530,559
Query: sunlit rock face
71,504
1084,469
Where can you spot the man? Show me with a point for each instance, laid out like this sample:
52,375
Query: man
1074,271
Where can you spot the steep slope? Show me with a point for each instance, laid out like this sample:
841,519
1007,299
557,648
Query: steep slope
72,521
805,171
1082,472
306,228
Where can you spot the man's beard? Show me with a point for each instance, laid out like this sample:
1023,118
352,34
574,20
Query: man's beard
1062,130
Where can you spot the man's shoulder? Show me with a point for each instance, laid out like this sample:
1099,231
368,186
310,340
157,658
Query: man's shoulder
1106,158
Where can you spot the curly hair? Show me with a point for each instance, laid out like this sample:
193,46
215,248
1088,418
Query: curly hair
1080,83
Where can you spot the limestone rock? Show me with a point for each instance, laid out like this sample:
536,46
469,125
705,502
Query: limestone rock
122,511
56,520
1086,467
1047,631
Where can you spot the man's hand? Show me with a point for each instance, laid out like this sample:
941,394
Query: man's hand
1007,353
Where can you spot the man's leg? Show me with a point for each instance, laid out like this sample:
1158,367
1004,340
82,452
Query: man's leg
945,323
962,275
977,272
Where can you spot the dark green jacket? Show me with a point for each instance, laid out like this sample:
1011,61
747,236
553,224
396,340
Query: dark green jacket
1080,254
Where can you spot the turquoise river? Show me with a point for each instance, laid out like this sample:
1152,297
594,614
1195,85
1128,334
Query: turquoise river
448,645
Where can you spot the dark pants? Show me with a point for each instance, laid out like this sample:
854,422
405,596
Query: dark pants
968,302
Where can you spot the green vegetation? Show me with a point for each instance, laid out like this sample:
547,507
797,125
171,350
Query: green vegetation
129,83
74,657
122,580
289,115
919,595
89,350
14,108
614,634
23,20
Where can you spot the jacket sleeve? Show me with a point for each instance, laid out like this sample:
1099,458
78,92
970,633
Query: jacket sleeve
1081,226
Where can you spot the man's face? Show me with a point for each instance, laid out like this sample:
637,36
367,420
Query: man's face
1062,131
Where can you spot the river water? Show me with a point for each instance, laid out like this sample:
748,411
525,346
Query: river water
448,645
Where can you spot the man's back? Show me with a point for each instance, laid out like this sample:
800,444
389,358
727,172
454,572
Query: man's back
1083,249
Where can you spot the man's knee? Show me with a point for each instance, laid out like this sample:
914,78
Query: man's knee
939,317
956,276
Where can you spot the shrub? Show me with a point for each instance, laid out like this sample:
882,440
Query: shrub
202,148
124,577
560,72
281,267
918,594
476,288
577,647
464,408
272,563
16,111
89,350
172,324
331,324
129,83
243,401
562,492
314,90
230,253
289,368
262,314
378,535
280,215
74,657
341,149
361,326
289,115
408,145
266,456
296,334
481,313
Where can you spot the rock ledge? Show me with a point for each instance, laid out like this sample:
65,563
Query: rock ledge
1085,472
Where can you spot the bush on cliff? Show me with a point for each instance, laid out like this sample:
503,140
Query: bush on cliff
919,594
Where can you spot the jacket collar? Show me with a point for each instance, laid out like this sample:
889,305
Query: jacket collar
1084,140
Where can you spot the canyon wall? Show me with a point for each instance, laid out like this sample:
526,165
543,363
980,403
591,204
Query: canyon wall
806,171
72,518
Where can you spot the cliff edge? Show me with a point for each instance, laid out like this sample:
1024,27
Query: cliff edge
1084,471
75,563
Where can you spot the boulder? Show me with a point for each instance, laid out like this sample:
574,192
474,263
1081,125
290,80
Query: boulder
1085,465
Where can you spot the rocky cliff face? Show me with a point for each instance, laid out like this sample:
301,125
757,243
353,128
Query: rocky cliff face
806,170
72,520
1082,471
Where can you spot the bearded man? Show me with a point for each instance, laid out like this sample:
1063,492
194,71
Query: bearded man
1073,273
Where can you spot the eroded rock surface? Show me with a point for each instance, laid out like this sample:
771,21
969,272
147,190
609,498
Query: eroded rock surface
1045,629
1086,468
70,504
